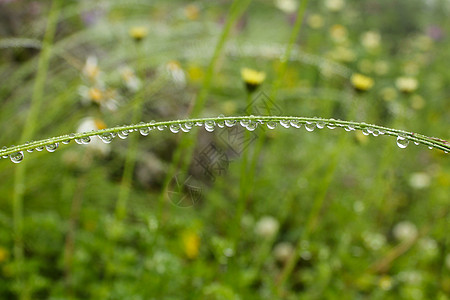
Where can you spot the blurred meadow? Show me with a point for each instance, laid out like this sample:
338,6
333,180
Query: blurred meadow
271,213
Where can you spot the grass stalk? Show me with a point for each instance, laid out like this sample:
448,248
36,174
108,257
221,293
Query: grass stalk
27,133
183,153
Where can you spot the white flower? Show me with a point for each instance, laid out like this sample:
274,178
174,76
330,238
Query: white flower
132,82
406,84
370,39
315,21
419,180
106,99
96,145
266,227
91,70
374,241
405,231
334,5
176,73
287,6
283,251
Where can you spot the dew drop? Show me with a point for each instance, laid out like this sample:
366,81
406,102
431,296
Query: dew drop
199,124
52,147
230,123
271,124
252,125
152,124
430,147
416,143
310,126
30,150
349,128
65,142
106,137
220,123
296,123
144,131
244,123
402,142
161,127
39,149
123,134
16,157
210,125
285,123
320,125
184,128
365,131
175,128
375,132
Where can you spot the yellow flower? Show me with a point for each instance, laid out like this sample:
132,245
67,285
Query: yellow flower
95,94
339,33
195,73
370,39
406,84
138,33
191,243
361,83
191,12
252,78
315,21
3,254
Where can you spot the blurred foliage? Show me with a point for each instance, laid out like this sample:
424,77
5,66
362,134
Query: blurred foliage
382,229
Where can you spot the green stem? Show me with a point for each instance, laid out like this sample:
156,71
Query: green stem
27,133
244,185
130,159
433,142
183,153
314,213
280,77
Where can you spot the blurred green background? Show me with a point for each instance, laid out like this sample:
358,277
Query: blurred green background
357,216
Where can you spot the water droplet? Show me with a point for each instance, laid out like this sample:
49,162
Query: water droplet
30,150
52,147
175,128
430,147
271,124
296,123
349,128
244,123
365,131
144,131
375,132
161,127
65,142
186,127
210,125
39,149
16,157
123,134
310,126
416,143
321,125
199,124
106,137
220,123
252,125
285,123
402,142
230,123
85,140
